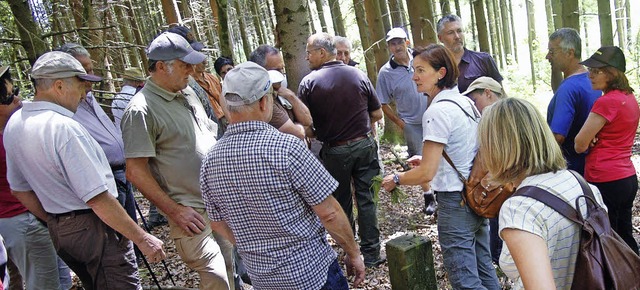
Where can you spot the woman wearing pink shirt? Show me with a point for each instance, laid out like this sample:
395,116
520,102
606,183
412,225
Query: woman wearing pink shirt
608,134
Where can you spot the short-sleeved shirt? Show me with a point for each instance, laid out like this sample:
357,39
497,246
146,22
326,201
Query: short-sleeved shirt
475,64
567,112
211,85
445,123
395,84
340,98
610,159
174,132
263,183
10,206
90,115
279,116
56,157
120,103
561,234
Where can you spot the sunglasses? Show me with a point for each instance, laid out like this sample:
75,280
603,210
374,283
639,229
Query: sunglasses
9,99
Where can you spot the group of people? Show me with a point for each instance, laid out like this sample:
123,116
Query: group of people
227,161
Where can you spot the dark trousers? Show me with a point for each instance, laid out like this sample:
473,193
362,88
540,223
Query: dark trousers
335,278
618,196
100,256
125,194
357,161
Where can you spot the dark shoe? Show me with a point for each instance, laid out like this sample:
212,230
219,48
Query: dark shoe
375,262
160,221
430,204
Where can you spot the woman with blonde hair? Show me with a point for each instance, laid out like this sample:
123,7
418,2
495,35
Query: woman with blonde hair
517,146
450,125
609,132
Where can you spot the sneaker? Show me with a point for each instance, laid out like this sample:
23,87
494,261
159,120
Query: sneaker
430,204
374,263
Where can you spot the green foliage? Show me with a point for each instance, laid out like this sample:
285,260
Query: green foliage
397,195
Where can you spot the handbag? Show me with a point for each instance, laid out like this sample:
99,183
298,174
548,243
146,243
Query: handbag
485,201
604,260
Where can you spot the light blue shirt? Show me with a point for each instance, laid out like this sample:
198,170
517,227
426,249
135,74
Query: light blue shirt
53,155
120,103
91,116
395,84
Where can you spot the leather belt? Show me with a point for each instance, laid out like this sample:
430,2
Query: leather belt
347,142
72,213
120,167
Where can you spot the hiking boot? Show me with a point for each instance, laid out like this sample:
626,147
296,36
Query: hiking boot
430,204
374,262
156,222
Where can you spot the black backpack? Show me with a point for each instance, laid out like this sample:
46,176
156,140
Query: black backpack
604,260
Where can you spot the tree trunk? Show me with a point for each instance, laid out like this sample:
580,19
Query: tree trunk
312,27
458,11
571,14
606,27
246,44
445,7
513,33
531,27
320,10
135,30
384,13
257,22
506,36
270,20
336,17
423,29
481,24
219,9
394,12
627,16
403,12
549,11
363,26
28,30
556,7
124,24
586,38
170,12
497,22
619,23
474,36
291,16
377,32
492,31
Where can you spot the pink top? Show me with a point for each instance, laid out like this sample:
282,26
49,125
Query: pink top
610,159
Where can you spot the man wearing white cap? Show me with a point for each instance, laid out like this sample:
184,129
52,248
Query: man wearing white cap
60,173
275,207
166,134
395,85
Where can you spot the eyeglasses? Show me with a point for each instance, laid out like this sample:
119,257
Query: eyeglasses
552,51
595,71
314,49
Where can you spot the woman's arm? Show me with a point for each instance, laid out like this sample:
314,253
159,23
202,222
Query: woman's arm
586,136
424,173
531,256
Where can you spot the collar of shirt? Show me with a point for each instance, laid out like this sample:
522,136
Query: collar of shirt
242,127
466,56
46,106
155,89
332,63
394,64
128,90
446,94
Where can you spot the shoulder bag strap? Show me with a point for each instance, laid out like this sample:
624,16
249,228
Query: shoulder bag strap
550,200
477,115
460,176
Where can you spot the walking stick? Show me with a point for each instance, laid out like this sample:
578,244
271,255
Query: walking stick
164,263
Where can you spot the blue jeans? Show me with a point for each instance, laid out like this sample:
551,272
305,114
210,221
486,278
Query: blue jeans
335,278
464,239
413,137
357,161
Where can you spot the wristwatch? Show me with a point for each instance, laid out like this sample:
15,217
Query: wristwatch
396,179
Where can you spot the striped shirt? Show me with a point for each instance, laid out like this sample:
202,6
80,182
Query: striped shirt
263,183
561,234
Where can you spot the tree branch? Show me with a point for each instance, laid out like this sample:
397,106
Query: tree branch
76,30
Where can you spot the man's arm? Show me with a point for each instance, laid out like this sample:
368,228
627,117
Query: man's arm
335,221
221,227
376,115
389,112
293,129
111,213
300,110
30,200
140,175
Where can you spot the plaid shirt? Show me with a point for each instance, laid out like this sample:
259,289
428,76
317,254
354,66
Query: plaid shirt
263,183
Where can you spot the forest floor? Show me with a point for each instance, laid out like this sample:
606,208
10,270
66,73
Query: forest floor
394,220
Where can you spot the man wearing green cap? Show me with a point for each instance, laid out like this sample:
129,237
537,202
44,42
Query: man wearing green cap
61,174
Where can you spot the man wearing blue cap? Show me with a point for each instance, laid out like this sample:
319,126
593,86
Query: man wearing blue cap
60,173
166,134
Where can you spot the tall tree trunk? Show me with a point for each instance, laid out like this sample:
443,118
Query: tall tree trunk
474,36
394,12
377,32
124,24
531,27
627,17
492,30
219,9
336,17
481,24
606,27
384,12
458,11
422,27
619,23
513,33
135,30
293,23
270,20
184,10
445,7
497,22
320,10
312,27
586,38
257,24
571,14
28,30
365,39
556,7
170,11
506,36
549,11
246,44
56,23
